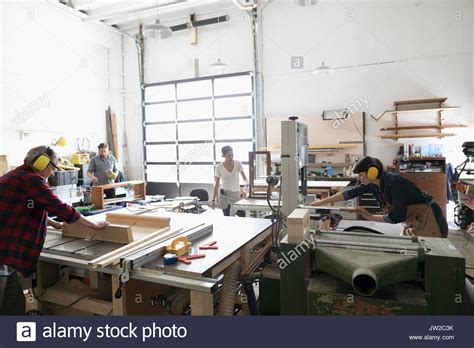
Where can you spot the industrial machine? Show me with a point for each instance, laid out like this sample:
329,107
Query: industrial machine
294,157
463,211
356,272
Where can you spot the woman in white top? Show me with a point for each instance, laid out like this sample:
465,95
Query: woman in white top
227,172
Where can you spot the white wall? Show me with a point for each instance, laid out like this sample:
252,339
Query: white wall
54,78
172,59
433,39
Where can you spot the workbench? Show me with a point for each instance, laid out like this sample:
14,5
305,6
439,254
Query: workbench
252,205
326,188
246,240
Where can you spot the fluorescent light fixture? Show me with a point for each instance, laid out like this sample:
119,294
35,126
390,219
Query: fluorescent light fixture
305,3
338,114
157,31
219,67
323,70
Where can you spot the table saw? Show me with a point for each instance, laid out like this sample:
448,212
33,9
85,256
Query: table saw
65,260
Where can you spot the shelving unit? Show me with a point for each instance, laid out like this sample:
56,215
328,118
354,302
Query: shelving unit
432,182
419,106
97,193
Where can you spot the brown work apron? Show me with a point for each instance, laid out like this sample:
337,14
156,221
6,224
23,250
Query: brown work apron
421,221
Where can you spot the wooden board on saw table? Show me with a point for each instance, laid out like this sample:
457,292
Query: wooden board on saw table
123,228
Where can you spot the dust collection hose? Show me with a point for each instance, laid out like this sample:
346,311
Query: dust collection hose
228,290
364,282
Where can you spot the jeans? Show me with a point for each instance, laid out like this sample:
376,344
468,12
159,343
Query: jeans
239,213
109,193
13,299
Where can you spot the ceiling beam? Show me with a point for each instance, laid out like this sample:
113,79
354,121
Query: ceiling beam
89,5
172,12
129,9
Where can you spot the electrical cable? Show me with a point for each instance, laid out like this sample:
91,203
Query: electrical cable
58,307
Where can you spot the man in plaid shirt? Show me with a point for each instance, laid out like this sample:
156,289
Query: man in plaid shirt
26,200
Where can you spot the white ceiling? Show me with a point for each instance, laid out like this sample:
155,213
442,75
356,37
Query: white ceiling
128,15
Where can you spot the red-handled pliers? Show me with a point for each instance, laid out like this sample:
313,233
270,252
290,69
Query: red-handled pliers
211,245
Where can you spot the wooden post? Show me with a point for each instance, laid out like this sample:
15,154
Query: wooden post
202,303
119,305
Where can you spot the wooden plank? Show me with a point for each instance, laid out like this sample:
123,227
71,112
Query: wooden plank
3,165
89,305
424,127
114,257
113,127
142,220
411,111
121,184
420,101
128,248
417,135
298,225
97,196
111,233
335,146
202,303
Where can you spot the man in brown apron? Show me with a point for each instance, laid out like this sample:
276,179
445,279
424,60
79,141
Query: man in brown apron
404,202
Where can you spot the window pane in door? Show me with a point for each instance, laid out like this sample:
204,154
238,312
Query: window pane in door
161,153
160,132
162,173
159,93
195,131
234,129
233,85
192,110
160,112
233,106
195,89
191,153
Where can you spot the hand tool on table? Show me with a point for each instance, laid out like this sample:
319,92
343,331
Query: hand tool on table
209,246
179,246
187,258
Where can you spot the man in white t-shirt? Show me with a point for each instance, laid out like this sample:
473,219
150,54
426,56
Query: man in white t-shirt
229,190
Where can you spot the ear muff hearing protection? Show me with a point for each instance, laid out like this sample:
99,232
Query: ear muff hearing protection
43,160
373,172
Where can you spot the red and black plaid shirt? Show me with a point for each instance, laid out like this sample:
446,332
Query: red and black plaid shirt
25,201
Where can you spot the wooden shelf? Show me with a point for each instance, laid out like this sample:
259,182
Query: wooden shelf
406,107
423,159
97,192
316,147
330,147
334,165
122,199
443,126
409,111
427,135
420,101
